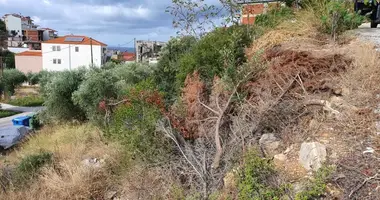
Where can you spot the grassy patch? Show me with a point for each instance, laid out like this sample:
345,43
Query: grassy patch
28,101
7,113
30,166
54,160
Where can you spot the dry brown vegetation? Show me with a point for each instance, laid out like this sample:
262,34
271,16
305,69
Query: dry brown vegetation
68,177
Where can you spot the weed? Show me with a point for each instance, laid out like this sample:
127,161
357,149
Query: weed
256,179
317,186
274,17
7,113
28,101
31,165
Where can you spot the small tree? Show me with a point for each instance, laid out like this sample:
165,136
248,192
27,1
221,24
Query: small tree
11,79
57,89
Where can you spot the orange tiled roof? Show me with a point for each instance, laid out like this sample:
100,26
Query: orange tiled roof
30,53
86,41
128,56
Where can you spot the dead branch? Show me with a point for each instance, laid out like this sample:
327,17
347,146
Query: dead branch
204,105
219,149
362,184
326,105
117,103
173,138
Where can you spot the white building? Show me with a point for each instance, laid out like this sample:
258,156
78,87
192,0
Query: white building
70,52
13,24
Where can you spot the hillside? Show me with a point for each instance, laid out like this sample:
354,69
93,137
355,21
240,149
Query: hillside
283,109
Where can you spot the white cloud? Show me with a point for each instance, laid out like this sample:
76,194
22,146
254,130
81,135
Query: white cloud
111,21
47,2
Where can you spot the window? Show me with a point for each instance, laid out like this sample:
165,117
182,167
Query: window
76,49
54,61
58,48
59,61
54,48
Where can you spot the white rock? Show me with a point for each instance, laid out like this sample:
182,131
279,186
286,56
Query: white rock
93,162
312,155
269,143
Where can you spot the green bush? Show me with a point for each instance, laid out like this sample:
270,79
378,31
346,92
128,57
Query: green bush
316,187
274,17
255,179
34,78
57,90
105,84
208,56
340,17
28,101
7,113
11,79
30,166
133,124
35,121
168,66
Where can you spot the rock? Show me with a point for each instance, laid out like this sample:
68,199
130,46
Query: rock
93,162
229,180
369,150
110,195
269,143
338,91
312,155
280,157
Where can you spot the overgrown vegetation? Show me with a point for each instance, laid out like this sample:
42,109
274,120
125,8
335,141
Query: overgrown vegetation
30,166
257,179
7,113
27,101
184,124
317,186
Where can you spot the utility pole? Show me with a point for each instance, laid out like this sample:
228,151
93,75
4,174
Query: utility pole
69,56
134,47
92,57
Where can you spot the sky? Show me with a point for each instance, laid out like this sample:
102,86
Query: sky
114,22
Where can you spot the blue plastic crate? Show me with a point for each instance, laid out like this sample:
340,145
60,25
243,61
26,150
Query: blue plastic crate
21,121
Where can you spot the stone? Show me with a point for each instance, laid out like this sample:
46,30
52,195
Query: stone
93,162
110,195
269,143
280,157
229,180
312,155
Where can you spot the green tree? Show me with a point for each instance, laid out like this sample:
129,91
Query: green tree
57,90
214,53
97,86
168,66
11,79
9,59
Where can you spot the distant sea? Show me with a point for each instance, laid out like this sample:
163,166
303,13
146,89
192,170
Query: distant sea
122,49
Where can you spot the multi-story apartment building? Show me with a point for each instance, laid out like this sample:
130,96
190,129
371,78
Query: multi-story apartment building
71,52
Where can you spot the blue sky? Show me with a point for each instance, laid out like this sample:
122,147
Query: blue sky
115,22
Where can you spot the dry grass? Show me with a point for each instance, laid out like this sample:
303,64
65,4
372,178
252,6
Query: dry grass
68,177
302,30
